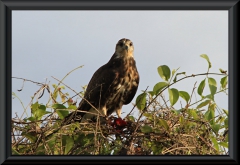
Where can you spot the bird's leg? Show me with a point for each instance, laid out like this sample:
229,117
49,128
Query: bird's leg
104,109
118,111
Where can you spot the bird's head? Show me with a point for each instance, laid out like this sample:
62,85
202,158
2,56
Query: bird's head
125,48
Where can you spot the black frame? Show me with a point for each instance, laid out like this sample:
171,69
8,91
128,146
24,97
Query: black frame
6,7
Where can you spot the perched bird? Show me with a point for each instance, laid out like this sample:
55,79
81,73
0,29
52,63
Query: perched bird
111,86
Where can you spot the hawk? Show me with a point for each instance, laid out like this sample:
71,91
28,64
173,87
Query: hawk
111,86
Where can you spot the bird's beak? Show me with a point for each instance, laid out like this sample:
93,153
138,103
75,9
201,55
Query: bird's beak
126,47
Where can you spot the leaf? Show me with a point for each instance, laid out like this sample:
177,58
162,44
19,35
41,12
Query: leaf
184,95
212,85
173,71
30,137
164,71
58,106
211,116
148,115
60,110
63,96
159,86
224,82
202,104
67,143
151,93
31,119
52,142
14,152
206,57
175,79
74,107
193,113
146,129
224,144
164,124
55,94
225,111
173,95
216,127
62,113
215,143
181,119
211,97
131,118
141,101
54,86
201,87
226,123
222,71
39,113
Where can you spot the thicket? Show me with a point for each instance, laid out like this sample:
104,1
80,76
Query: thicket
197,128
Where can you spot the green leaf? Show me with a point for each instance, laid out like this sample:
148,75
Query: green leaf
164,124
225,111
30,137
52,142
193,113
148,115
159,86
39,113
211,116
74,107
184,95
222,71
173,95
141,101
173,71
164,71
181,119
211,97
215,143
224,82
31,119
151,93
62,113
34,107
224,144
146,129
54,85
14,152
60,109
202,104
216,127
67,143
40,150
226,123
58,106
175,79
131,118
212,85
206,57
201,87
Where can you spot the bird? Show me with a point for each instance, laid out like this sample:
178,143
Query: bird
113,85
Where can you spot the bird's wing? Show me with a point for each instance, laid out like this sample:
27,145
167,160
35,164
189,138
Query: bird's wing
131,93
99,85
95,93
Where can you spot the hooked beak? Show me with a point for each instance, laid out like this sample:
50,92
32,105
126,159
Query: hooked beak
126,48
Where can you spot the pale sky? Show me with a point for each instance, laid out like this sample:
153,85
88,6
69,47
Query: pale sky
52,43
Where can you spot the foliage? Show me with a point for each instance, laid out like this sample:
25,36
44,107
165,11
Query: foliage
197,128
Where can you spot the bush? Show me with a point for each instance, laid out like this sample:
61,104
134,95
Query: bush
197,128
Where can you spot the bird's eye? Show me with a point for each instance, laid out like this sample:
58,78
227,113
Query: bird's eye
121,44
131,44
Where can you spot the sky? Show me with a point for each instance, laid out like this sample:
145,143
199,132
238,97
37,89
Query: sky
53,43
